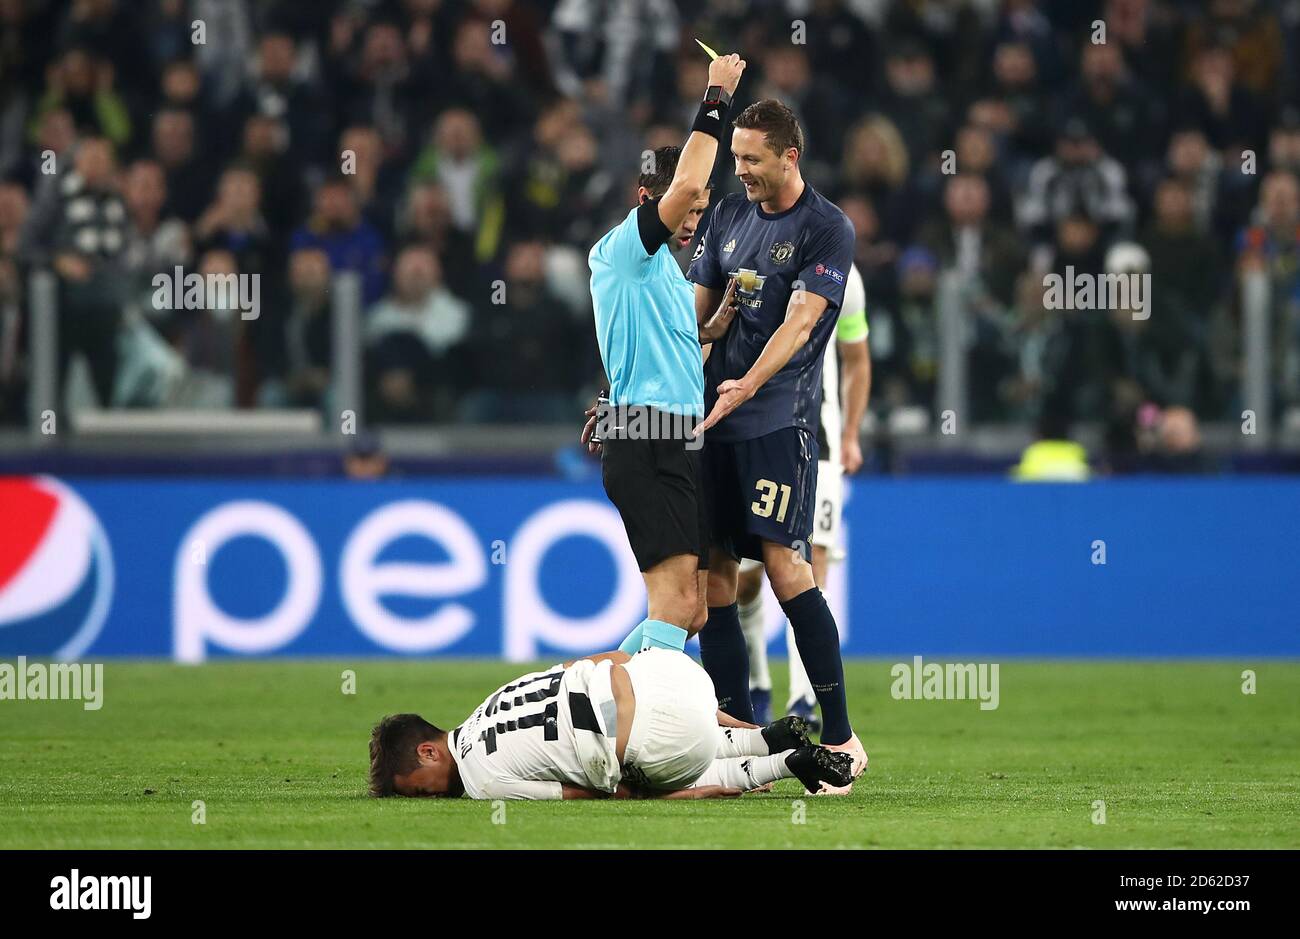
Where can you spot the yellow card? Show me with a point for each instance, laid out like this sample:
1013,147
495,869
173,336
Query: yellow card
712,54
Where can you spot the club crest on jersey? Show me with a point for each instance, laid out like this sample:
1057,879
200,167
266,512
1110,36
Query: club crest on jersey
781,251
828,271
731,246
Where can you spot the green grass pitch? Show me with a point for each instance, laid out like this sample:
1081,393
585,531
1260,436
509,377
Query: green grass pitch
277,755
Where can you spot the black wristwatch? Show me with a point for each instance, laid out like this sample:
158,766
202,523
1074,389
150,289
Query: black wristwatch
717,95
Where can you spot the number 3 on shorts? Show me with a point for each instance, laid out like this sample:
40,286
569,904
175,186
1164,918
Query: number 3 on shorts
767,490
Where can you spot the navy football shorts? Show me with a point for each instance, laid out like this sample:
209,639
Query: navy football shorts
764,489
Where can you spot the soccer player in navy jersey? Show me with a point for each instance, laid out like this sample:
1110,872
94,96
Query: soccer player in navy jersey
789,250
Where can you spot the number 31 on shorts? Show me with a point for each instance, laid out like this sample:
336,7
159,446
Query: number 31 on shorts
766,501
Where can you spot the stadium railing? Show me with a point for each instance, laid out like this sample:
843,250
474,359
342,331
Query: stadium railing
915,439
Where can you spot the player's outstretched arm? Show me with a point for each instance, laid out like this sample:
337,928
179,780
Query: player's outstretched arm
701,150
801,315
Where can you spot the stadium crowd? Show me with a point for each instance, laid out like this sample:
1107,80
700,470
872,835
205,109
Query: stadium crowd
463,155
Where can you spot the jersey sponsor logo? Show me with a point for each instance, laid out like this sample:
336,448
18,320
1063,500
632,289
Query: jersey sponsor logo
750,286
826,270
781,251
731,246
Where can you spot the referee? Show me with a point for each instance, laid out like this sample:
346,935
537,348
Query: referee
650,342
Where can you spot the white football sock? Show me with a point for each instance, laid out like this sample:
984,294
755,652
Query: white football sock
800,687
751,623
741,741
748,772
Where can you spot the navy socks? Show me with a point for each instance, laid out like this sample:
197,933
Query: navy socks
819,647
726,658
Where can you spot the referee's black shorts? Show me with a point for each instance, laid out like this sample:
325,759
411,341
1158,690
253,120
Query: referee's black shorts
657,485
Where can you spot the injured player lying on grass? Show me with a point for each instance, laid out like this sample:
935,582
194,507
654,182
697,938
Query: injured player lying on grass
612,725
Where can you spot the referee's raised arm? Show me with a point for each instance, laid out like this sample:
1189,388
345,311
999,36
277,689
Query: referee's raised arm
701,150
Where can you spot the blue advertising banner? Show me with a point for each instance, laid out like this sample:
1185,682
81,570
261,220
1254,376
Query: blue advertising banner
527,569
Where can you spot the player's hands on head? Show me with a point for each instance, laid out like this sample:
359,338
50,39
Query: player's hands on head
725,70
732,393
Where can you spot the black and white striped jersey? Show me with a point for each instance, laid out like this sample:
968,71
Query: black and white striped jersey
540,731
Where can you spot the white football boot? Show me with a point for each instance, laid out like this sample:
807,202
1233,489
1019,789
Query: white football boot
852,746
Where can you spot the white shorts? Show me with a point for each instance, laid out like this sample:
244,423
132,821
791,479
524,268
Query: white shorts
830,505
674,736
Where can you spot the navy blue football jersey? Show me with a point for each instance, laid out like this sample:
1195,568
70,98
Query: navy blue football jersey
811,242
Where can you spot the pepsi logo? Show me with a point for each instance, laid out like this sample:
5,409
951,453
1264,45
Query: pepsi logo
56,570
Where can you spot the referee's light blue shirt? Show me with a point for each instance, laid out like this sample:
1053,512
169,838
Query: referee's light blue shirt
645,323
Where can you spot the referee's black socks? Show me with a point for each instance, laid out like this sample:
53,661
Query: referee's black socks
725,657
819,648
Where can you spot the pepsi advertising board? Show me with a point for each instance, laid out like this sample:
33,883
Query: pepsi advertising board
534,569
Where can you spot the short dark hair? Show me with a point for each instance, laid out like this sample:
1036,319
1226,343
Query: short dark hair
663,165
392,749
777,122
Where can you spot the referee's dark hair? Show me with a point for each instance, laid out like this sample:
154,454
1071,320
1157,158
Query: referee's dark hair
777,122
662,167
392,749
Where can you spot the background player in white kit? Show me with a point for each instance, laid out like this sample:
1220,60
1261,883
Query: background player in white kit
845,393
609,725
